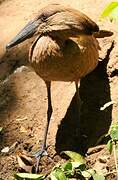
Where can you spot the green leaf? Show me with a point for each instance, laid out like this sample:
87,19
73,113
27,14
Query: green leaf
97,176
114,15
114,132
75,156
58,174
76,165
67,168
110,146
110,11
88,173
70,167
82,167
28,176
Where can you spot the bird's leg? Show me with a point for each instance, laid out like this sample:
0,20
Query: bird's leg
49,113
78,99
78,107
43,152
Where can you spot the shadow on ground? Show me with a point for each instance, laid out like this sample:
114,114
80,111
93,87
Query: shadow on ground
7,103
78,134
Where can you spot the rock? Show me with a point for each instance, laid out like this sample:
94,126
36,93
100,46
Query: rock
5,150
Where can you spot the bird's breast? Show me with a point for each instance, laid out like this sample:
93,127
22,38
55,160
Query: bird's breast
58,60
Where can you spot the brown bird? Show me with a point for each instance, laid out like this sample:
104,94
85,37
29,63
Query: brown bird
65,49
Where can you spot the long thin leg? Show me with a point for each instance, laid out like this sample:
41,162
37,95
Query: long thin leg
49,112
40,153
78,99
78,107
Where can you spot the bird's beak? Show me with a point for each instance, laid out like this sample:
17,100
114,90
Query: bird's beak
27,32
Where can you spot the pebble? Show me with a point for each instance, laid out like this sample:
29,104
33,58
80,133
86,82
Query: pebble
5,150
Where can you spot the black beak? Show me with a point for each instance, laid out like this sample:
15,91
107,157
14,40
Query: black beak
25,33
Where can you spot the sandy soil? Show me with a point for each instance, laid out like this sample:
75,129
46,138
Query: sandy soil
23,102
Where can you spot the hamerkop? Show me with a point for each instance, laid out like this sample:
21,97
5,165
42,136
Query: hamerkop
65,49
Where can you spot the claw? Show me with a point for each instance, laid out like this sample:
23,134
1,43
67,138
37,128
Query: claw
40,154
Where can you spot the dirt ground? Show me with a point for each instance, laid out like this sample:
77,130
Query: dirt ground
23,101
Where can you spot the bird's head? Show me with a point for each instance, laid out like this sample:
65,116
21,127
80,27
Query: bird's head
56,20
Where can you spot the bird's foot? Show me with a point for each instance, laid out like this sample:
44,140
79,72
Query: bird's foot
38,155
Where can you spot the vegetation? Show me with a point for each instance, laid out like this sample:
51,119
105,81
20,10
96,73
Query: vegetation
111,11
112,144
75,168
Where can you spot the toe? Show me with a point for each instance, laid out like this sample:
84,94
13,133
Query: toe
40,154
